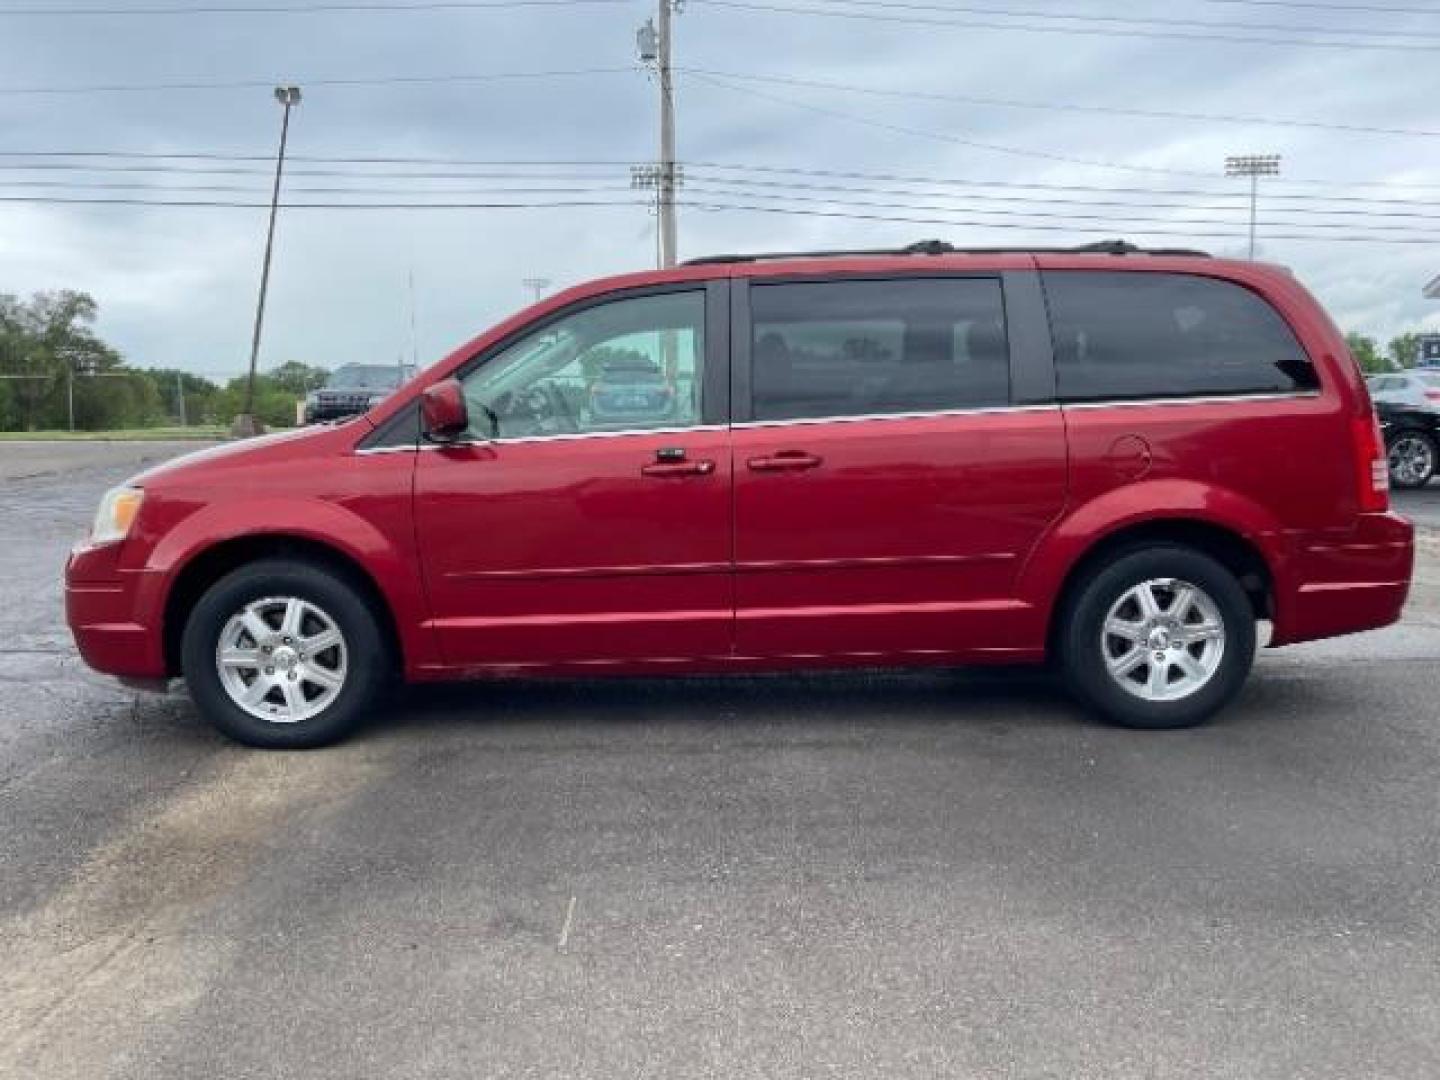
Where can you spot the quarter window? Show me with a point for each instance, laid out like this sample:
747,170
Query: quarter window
847,348
625,365
1121,335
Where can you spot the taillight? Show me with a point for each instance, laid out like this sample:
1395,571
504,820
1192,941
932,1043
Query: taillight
1371,465
1433,395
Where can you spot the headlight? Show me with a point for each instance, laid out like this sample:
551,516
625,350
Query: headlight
116,514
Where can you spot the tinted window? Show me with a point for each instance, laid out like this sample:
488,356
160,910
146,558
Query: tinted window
847,348
624,365
1141,335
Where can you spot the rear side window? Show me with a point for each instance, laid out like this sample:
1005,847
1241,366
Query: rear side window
856,348
1125,335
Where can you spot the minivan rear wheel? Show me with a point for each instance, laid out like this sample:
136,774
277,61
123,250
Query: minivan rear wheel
1160,637
283,654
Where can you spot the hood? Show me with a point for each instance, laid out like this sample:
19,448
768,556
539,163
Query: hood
236,451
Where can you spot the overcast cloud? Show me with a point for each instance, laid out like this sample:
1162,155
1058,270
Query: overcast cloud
176,286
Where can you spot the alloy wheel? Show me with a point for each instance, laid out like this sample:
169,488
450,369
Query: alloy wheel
1163,639
1412,460
282,659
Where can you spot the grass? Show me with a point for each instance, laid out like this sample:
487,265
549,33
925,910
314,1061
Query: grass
121,435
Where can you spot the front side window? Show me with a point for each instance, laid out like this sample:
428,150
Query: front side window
855,348
624,365
1126,335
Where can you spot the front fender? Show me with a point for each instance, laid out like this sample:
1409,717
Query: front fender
389,560
1075,534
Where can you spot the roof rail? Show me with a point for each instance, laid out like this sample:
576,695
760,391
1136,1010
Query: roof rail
941,247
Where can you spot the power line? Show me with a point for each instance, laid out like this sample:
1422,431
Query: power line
237,205
938,136
1355,238
120,161
1303,5
1136,20
974,144
854,215
971,24
251,84
1124,220
329,7
816,84
759,188
1011,103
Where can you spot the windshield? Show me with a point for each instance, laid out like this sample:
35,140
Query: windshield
1430,379
367,377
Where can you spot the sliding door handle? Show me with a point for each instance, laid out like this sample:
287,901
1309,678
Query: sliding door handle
664,469
785,459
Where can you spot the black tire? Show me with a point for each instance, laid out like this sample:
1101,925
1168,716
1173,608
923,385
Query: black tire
1081,646
1410,479
367,656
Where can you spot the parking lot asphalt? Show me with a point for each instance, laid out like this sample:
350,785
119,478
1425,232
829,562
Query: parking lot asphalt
941,874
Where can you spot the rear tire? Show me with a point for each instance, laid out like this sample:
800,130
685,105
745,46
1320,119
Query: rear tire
284,654
1157,637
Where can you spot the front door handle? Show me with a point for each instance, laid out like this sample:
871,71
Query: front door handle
678,468
785,459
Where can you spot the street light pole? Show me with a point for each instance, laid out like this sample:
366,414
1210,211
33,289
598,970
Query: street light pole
537,285
1254,166
246,423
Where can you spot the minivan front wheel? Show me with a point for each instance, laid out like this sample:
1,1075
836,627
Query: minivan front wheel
1160,637
283,654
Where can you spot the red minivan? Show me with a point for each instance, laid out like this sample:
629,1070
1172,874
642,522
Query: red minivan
1118,460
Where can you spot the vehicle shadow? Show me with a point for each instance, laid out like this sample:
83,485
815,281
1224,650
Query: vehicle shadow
869,697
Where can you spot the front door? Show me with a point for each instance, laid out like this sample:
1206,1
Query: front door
887,484
586,518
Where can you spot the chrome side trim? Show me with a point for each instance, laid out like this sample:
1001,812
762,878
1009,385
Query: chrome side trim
569,437
1212,399
1209,399
386,450
857,417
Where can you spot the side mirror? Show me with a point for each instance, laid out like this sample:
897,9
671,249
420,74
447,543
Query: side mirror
443,415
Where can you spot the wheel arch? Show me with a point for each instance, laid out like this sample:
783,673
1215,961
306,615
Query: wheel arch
1226,545
208,565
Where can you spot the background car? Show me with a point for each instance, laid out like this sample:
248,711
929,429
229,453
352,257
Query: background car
631,389
1412,442
1417,389
353,388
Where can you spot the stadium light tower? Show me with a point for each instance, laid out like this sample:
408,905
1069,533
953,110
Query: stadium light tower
537,285
1254,166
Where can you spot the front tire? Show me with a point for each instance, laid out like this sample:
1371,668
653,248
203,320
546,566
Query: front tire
1159,637
283,654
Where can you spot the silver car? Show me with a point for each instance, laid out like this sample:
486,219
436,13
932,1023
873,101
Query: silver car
1415,389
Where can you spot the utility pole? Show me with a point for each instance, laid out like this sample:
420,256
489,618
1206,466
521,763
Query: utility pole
1254,166
246,423
537,285
180,398
653,40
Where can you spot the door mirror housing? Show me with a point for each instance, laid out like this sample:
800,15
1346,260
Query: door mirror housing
443,415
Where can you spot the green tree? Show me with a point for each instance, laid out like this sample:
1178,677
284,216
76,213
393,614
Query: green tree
1366,353
45,339
199,393
1405,350
274,404
298,378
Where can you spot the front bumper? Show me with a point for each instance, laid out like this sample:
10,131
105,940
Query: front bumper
108,613
1346,583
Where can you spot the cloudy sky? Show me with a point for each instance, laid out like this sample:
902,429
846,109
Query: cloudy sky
802,123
